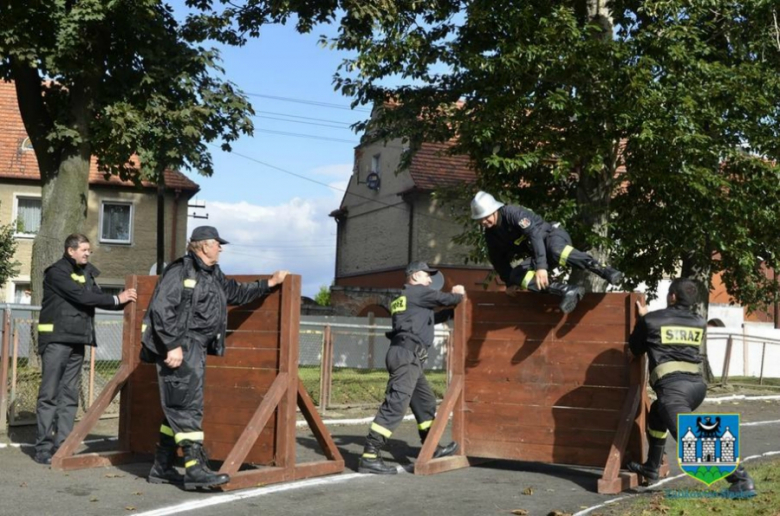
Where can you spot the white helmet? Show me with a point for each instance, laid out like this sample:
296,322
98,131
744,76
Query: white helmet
484,205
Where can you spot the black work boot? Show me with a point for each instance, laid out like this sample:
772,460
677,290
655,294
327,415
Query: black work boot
571,295
163,471
613,276
655,455
441,451
197,472
371,461
742,483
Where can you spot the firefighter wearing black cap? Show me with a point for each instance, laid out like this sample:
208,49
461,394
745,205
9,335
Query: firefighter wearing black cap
186,320
411,336
514,231
672,338
65,327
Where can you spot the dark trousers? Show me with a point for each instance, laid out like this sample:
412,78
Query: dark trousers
678,394
58,396
407,386
560,252
181,394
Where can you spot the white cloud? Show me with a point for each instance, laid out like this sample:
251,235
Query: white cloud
298,236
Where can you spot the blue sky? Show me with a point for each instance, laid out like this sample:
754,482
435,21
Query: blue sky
275,220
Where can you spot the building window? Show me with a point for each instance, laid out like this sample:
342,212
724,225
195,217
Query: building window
22,293
27,145
28,215
116,222
110,289
375,163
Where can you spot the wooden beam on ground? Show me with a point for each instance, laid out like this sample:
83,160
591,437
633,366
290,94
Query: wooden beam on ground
609,483
424,464
317,426
91,417
96,460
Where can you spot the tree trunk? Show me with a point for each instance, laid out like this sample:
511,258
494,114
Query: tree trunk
594,190
701,274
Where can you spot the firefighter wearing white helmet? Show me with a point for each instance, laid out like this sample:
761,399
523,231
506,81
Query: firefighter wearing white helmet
515,231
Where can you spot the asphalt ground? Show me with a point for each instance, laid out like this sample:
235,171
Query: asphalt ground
493,488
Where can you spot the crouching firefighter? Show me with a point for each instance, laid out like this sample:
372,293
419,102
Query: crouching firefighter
411,337
514,231
186,320
672,339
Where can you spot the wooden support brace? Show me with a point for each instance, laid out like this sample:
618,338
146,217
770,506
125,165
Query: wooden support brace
425,464
252,431
611,482
91,418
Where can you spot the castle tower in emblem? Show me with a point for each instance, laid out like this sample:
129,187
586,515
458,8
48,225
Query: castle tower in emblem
689,446
727,446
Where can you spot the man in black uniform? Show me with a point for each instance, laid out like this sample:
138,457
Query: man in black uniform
514,231
412,335
65,327
672,338
186,320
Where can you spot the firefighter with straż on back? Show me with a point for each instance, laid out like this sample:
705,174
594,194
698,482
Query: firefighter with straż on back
515,231
672,339
411,336
186,320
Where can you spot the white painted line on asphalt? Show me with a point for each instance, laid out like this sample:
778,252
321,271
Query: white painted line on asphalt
252,493
361,421
758,423
654,487
734,397
91,441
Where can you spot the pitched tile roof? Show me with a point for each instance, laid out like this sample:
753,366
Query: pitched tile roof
16,163
432,167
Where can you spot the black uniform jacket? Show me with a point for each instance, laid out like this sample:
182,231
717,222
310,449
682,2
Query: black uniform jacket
413,315
674,334
190,302
70,296
518,233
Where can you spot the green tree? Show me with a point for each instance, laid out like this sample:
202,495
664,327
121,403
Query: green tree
323,296
110,79
8,266
551,100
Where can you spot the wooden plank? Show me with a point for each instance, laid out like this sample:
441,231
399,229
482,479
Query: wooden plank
571,418
546,395
441,465
580,332
261,453
251,339
534,302
317,469
247,357
316,425
498,353
255,478
288,363
562,374
454,392
247,320
623,482
519,432
618,448
91,417
255,426
556,454
96,460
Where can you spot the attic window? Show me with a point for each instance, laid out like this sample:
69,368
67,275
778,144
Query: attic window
27,145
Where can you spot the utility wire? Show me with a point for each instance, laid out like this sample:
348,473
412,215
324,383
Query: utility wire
302,122
310,136
309,102
304,117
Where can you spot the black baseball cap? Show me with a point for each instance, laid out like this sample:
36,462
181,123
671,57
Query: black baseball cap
206,233
420,266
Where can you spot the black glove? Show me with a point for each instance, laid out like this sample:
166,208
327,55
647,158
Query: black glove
421,352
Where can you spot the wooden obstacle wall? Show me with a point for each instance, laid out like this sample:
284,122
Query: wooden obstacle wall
250,395
530,383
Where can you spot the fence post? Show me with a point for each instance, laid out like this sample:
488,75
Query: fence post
91,391
763,356
14,365
326,367
724,377
371,340
5,351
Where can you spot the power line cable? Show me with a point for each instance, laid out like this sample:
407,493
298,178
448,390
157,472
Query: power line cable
308,102
310,136
304,117
301,122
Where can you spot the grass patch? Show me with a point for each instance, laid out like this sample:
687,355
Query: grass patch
352,386
766,475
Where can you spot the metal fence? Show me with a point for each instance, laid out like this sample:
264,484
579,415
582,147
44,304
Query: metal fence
343,364
352,351
737,357
24,373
